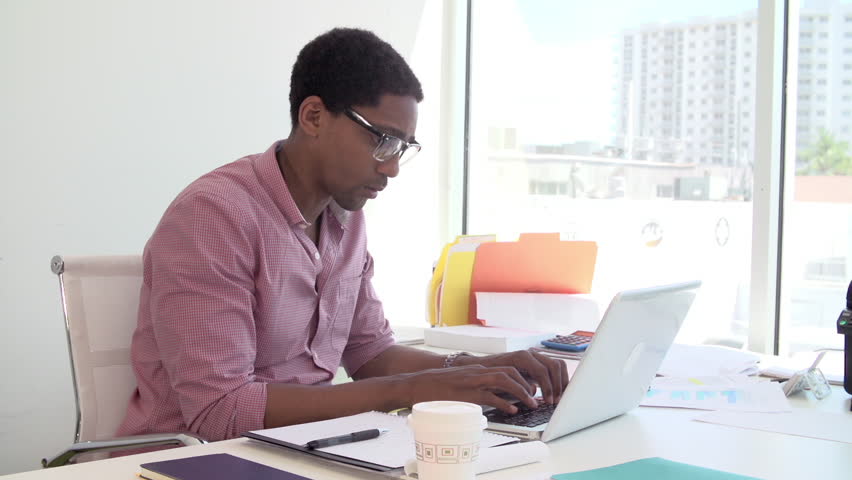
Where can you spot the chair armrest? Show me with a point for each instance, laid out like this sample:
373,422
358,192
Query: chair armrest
122,443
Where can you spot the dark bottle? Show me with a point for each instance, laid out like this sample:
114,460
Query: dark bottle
844,327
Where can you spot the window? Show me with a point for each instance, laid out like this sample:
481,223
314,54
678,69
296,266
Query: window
634,172
817,254
641,169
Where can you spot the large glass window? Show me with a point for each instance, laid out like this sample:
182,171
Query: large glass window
628,123
817,241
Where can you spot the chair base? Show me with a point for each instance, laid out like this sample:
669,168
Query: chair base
139,441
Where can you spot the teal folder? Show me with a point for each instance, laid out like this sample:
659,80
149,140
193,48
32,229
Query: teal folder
653,468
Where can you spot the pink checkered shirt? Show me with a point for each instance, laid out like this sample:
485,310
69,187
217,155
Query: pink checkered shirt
235,296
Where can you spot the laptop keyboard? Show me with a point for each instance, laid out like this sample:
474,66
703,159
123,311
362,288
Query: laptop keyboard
526,416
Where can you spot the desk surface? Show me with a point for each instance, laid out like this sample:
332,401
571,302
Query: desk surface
643,432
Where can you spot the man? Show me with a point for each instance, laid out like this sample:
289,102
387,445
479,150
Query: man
257,281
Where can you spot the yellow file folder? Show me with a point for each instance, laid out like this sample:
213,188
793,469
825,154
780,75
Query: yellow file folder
454,283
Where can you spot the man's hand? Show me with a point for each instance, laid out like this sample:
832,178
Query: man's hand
473,383
548,373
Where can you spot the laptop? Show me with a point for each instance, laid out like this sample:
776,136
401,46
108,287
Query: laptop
629,345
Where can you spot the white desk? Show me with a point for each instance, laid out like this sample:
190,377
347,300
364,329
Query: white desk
643,432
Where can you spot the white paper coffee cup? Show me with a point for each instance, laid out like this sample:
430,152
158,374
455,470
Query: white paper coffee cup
446,439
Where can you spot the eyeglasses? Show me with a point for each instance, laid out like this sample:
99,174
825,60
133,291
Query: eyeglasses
389,147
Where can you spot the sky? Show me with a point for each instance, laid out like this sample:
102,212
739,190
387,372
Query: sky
547,66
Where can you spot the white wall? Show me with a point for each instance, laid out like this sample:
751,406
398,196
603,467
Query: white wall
109,108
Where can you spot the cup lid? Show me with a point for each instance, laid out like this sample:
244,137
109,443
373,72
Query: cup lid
458,414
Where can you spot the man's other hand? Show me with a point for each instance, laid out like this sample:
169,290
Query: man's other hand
473,383
550,374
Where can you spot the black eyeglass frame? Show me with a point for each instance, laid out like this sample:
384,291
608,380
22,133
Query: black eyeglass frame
410,148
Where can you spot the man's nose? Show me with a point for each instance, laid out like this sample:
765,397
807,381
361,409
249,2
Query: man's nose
389,168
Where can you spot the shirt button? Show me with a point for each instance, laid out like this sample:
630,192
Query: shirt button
317,255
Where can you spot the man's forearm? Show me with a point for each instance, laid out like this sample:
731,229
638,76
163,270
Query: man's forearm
289,404
379,386
399,359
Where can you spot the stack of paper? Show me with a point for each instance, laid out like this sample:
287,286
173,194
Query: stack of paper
476,338
707,361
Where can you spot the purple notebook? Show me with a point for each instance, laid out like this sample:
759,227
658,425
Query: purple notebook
219,466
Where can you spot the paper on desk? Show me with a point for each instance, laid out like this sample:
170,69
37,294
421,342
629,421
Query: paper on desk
554,312
800,422
708,361
699,381
498,458
744,397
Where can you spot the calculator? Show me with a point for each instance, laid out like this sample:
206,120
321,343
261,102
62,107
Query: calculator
576,342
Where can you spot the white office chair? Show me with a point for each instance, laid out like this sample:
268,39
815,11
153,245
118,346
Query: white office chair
100,299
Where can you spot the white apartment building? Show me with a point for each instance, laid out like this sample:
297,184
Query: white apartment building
686,91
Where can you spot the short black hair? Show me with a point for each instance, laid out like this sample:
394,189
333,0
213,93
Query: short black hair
347,67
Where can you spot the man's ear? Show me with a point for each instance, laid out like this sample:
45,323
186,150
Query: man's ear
311,113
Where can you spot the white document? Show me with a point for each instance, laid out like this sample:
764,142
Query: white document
801,422
743,397
476,338
698,381
391,449
554,312
707,361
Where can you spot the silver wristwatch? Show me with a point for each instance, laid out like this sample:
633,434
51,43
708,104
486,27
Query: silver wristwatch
451,358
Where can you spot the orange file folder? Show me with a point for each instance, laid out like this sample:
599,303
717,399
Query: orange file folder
536,263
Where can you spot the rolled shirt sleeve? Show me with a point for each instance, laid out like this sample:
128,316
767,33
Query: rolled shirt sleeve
202,301
371,333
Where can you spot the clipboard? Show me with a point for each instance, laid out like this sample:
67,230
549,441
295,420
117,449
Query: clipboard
536,263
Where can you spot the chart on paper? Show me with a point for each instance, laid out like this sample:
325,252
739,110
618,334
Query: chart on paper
745,397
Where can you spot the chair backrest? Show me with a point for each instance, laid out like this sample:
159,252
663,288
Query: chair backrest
100,300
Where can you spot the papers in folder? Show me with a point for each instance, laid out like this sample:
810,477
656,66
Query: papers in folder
536,263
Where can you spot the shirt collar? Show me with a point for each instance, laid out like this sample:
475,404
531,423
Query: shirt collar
270,176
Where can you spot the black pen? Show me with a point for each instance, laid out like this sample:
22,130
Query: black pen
347,438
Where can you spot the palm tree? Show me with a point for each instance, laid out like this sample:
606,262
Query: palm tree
828,156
